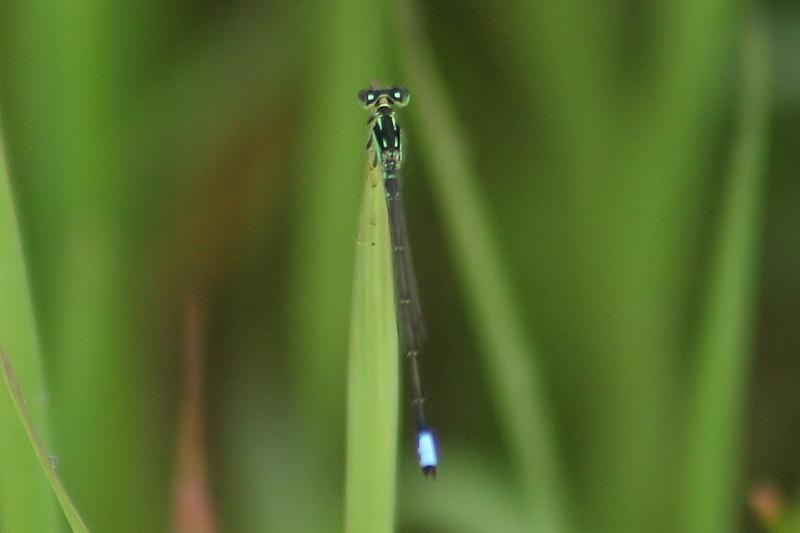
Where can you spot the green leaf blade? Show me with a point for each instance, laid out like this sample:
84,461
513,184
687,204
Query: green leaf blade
25,499
372,406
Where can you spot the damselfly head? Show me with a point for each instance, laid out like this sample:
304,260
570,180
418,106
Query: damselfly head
372,97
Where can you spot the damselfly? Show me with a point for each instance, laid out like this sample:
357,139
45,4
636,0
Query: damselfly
385,148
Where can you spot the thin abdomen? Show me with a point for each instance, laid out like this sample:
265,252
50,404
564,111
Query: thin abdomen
409,323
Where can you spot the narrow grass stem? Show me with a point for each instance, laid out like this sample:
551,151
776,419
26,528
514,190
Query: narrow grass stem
725,339
373,374
70,511
509,353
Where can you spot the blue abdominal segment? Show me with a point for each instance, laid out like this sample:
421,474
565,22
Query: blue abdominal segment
426,451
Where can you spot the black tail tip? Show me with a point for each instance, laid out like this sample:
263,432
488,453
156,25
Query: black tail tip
429,471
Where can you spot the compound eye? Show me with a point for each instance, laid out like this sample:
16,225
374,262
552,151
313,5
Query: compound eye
367,97
399,95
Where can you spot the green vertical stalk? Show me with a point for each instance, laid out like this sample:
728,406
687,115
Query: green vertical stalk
372,400
26,502
509,354
46,461
725,338
65,67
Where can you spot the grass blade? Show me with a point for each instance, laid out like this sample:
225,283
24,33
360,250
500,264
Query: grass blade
724,341
70,511
372,403
25,499
509,353
75,179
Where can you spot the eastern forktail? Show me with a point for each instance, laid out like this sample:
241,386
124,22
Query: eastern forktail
385,148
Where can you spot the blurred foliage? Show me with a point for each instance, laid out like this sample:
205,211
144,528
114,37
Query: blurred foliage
603,202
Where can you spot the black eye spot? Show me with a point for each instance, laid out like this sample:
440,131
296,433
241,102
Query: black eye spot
367,97
399,95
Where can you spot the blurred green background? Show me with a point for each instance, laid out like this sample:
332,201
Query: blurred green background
603,202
